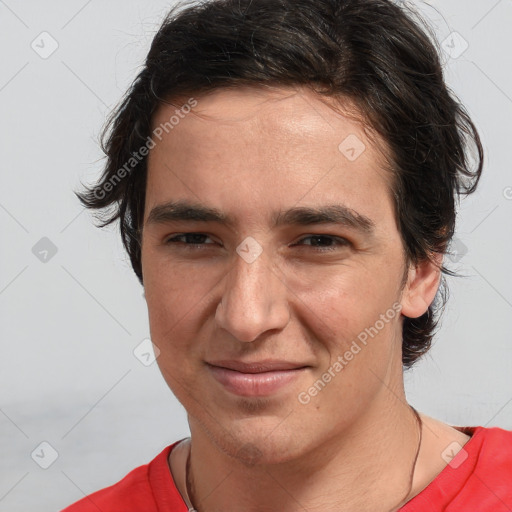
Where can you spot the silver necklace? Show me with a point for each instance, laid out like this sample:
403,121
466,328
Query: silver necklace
188,485
188,492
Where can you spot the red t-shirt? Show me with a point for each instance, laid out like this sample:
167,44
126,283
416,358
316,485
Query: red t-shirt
478,479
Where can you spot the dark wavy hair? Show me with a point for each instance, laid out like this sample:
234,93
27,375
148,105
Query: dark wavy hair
382,57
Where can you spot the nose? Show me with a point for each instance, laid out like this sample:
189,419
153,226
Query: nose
253,300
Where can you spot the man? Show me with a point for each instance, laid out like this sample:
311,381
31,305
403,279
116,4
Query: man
285,174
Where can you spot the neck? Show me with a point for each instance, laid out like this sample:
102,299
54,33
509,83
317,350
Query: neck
342,473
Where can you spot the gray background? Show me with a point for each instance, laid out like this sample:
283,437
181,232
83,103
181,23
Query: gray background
70,321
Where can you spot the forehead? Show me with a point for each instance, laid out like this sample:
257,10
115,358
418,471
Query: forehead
286,111
270,146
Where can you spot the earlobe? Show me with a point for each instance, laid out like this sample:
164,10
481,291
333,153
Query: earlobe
421,287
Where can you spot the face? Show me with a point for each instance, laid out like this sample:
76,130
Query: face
272,266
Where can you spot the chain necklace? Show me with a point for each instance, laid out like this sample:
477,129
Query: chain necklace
188,484
401,503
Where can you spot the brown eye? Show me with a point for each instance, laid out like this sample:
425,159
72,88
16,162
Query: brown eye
324,242
189,239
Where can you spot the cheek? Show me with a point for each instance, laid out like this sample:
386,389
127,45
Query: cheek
342,311
176,302
175,295
344,298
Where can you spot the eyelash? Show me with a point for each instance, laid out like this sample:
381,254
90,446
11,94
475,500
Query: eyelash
341,242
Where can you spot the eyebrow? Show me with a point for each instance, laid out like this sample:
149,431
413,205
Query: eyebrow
299,216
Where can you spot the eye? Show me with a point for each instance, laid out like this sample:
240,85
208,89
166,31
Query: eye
324,242
189,239
320,243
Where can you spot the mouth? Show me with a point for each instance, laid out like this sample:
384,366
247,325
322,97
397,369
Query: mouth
261,378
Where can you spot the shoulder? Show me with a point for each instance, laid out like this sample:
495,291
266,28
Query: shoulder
489,483
495,449
139,490
132,491
478,477
489,438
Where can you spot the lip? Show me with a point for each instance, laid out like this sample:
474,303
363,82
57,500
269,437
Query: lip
266,365
261,378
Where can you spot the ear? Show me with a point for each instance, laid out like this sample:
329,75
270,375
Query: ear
421,287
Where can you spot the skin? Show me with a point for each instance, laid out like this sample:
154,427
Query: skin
250,153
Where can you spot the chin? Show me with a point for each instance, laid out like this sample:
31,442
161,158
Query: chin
260,443
262,453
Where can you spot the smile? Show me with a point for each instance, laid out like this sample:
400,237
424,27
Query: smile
255,379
